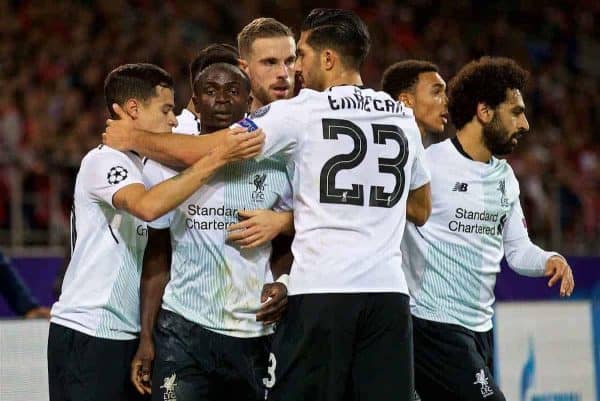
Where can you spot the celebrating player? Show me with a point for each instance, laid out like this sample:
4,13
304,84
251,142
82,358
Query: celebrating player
418,85
210,337
451,262
268,51
349,306
95,323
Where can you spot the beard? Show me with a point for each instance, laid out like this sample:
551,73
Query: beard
497,138
262,95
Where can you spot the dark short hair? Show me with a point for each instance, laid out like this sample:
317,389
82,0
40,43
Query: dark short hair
482,81
211,54
403,76
231,66
341,30
260,28
134,81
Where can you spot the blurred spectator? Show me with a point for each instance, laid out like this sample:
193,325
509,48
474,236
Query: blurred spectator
17,295
55,55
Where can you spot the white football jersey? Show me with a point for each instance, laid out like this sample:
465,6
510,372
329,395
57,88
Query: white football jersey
100,291
187,123
213,282
451,262
357,153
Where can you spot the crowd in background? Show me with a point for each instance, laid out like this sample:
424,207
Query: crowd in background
54,56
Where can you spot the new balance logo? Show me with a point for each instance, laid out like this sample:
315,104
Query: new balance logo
460,187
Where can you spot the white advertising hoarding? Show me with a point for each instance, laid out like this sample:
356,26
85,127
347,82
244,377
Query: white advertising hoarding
545,351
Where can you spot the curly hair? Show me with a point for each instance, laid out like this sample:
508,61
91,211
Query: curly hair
482,81
403,76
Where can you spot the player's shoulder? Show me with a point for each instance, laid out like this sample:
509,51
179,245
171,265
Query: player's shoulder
504,167
440,148
187,123
103,154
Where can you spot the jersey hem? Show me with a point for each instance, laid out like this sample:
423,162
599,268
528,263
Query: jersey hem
481,328
119,335
225,332
293,291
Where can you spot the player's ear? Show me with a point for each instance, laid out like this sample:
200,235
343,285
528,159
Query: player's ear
407,98
243,65
132,108
485,113
328,59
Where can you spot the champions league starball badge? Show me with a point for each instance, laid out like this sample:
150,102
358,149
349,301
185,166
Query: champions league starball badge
116,175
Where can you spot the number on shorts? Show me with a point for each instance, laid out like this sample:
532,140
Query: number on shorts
269,382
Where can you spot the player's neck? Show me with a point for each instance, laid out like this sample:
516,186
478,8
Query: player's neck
345,78
256,104
471,140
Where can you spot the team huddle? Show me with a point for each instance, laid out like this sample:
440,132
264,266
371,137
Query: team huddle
283,245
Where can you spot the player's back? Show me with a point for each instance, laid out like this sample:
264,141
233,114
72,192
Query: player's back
357,155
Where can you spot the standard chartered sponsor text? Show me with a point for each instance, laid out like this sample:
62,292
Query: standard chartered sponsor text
194,211
474,222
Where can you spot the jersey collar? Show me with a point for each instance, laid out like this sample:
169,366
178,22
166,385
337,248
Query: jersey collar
461,150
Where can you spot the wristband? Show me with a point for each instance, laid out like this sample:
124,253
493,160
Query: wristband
284,279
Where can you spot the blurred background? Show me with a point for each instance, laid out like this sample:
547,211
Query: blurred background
54,55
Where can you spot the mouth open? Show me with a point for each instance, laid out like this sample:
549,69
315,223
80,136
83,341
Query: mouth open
280,90
445,117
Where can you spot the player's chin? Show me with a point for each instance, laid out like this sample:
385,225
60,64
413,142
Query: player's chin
436,128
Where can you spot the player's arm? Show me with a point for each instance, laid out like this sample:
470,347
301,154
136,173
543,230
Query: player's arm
150,204
179,151
418,205
274,295
283,125
528,259
260,226
155,276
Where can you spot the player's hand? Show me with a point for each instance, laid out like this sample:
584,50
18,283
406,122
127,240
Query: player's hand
119,134
239,144
258,227
40,312
141,367
557,268
274,301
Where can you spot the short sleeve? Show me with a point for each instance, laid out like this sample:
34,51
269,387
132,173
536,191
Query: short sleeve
104,173
419,175
281,126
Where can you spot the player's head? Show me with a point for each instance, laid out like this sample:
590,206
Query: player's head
221,95
486,93
211,54
268,51
418,85
332,41
145,93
